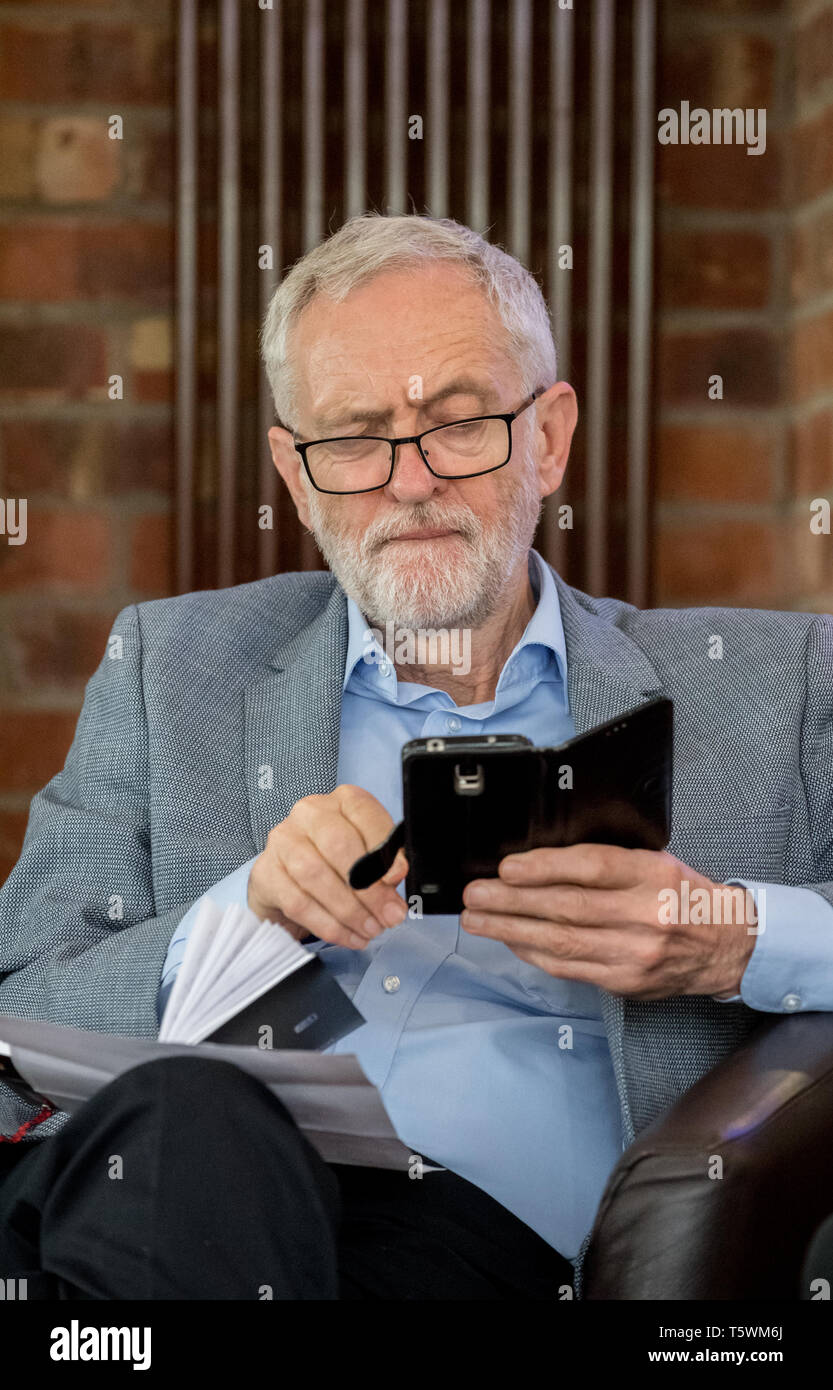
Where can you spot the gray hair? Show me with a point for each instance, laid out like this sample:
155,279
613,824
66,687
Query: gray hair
372,242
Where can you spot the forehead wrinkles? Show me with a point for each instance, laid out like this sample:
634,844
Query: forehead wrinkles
344,383
395,329
369,349
336,380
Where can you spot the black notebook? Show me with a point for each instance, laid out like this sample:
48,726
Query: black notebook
251,983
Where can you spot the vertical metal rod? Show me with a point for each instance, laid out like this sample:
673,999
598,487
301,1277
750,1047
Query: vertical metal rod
599,291
640,298
437,134
560,220
313,228
313,102
520,129
185,421
477,167
228,313
355,111
396,107
270,550
560,230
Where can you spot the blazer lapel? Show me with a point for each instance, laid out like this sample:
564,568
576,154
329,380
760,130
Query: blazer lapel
293,717
607,673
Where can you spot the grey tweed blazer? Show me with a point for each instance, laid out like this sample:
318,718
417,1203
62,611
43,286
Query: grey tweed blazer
160,795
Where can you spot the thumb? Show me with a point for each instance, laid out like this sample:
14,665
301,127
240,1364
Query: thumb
397,870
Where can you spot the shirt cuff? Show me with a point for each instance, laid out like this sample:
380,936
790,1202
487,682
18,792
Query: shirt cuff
790,969
233,889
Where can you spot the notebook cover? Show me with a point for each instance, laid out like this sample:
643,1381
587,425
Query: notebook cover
308,1010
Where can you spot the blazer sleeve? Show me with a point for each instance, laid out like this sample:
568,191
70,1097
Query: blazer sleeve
81,942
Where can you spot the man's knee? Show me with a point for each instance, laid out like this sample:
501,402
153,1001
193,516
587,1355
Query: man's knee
204,1085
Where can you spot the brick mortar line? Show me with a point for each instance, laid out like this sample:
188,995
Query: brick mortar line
814,307
74,313
155,116
812,10
150,212
810,108
120,9
84,411
667,510
679,218
695,509
731,601
121,595
685,22
715,320
130,504
79,605
738,417
14,802
805,212
52,699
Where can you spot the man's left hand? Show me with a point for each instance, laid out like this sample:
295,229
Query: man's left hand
594,913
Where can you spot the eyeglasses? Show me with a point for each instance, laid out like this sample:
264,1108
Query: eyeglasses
363,462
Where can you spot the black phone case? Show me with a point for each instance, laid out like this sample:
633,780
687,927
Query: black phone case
469,803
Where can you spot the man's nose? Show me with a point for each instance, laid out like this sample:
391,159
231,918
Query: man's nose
412,479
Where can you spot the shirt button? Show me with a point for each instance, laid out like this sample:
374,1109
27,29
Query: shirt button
384,667
453,723
791,1002
390,984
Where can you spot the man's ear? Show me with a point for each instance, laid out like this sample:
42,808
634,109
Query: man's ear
556,416
288,463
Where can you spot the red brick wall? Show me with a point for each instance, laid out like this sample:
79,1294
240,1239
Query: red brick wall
86,263
745,272
744,288
810,368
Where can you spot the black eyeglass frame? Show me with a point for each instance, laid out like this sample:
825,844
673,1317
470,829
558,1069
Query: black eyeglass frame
417,439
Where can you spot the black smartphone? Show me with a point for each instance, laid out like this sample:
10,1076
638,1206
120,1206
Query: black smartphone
468,802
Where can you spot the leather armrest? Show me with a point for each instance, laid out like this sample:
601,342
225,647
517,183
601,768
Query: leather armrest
719,1197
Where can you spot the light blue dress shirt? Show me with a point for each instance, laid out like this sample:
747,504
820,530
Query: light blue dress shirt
487,1065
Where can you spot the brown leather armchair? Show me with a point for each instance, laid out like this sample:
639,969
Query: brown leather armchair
722,1196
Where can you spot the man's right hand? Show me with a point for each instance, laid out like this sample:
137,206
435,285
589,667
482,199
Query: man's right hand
300,879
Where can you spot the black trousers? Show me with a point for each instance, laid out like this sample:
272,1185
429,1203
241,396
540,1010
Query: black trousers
185,1178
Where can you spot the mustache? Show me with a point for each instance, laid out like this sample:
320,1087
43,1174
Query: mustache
383,531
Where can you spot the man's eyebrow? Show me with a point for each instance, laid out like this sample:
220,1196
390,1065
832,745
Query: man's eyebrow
486,395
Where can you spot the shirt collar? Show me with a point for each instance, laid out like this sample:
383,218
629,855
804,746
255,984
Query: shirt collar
543,631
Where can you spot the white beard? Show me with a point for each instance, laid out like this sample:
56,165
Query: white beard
455,583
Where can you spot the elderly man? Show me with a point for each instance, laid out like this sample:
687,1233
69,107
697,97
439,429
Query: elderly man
415,377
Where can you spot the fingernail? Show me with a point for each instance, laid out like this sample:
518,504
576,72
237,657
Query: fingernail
393,914
371,926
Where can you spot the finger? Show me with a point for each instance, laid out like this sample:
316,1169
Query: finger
312,879
616,978
365,812
346,825
590,972
570,903
304,910
398,869
565,943
592,865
